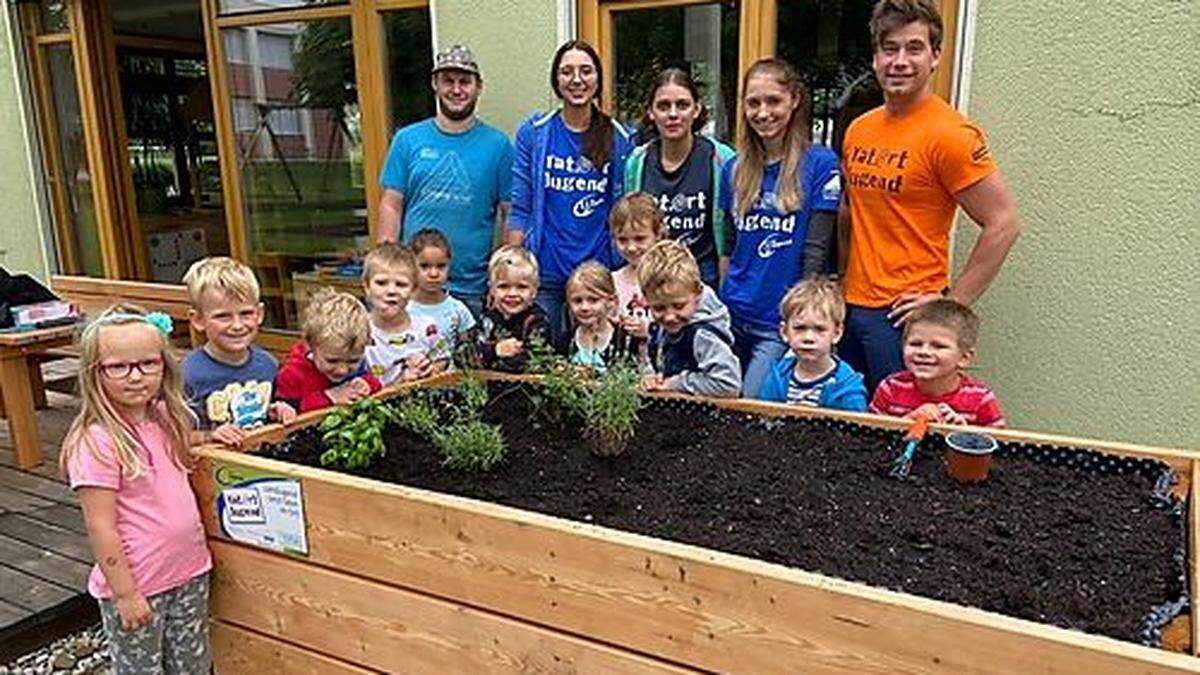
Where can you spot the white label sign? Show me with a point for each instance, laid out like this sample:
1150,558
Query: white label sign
264,511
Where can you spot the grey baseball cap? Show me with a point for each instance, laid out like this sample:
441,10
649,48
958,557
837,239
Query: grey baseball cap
456,57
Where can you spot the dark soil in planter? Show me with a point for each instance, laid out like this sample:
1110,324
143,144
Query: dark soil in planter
1063,537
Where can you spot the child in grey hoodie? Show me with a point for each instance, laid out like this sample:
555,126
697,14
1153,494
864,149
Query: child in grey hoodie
697,351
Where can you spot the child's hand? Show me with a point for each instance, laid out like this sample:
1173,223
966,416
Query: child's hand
654,382
417,367
638,328
359,389
228,434
134,611
509,347
281,412
348,392
930,411
950,415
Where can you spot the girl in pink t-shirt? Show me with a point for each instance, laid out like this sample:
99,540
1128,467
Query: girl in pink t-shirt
126,456
636,224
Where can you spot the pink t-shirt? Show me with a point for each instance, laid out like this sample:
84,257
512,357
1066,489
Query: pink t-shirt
157,518
630,301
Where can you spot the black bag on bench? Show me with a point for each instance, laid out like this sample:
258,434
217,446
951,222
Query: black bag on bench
17,290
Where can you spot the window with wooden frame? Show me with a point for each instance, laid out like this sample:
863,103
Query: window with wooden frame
82,144
828,42
306,98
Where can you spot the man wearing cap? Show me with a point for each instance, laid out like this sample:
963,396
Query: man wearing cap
451,172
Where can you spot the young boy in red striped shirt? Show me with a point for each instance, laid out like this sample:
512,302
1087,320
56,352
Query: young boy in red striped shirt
939,342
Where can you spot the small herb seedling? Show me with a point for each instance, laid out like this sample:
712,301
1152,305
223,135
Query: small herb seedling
454,424
610,408
606,402
354,436
472,444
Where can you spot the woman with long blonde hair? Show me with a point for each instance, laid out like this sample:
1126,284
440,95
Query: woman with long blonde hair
126,456
782,196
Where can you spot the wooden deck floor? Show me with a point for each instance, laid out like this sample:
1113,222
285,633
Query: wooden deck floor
44,552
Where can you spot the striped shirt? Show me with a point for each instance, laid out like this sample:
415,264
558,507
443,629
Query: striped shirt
808,392
898,395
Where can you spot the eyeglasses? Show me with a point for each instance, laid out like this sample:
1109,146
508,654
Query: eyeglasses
120,371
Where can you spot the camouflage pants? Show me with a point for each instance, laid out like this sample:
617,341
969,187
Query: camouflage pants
175,640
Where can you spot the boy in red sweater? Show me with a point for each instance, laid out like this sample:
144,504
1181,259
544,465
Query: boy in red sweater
328,368
939,342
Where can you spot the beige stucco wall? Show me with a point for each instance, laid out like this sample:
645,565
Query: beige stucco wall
21,237
1092,109
513,42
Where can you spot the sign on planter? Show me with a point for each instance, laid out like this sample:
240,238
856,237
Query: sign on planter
261,509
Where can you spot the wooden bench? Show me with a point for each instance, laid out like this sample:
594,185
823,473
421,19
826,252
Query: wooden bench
93,296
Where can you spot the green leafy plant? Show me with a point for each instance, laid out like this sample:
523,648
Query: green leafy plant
354,436
417,413
560,391
472,444
606,402
610,408
454,423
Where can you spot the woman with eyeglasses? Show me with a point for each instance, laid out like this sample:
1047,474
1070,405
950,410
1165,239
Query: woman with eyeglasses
567,173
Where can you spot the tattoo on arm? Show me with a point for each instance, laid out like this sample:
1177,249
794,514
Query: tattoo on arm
110,561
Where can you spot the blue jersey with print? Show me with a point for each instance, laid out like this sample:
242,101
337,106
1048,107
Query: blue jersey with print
576,206
220,393
768,251
452,182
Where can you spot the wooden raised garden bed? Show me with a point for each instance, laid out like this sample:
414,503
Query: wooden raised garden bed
383,577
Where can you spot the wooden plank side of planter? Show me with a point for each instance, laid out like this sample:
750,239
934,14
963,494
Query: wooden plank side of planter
378,626
1193,556
237,650
681,603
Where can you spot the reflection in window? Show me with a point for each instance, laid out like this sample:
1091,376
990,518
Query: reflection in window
173,157
410,97
830,45
236,50
240,6
54,16
83,244
275,50
298,138
700,38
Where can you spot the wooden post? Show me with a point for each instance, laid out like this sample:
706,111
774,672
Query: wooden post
1193,559
18,403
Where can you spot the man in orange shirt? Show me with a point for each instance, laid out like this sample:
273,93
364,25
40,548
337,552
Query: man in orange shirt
908,165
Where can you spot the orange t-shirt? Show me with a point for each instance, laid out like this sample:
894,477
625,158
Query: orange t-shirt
900,175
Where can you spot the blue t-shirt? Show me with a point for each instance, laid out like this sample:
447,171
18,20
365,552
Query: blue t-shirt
221,393
452,182
768,251
576,207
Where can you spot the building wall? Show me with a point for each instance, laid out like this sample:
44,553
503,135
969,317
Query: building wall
1094,327
513,42
21,238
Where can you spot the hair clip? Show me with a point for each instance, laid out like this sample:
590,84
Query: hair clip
160,321
157,319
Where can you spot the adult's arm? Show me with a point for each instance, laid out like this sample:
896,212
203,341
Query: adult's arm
521,211
990,203
843,235
822,226
502,211
992,206
391,216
